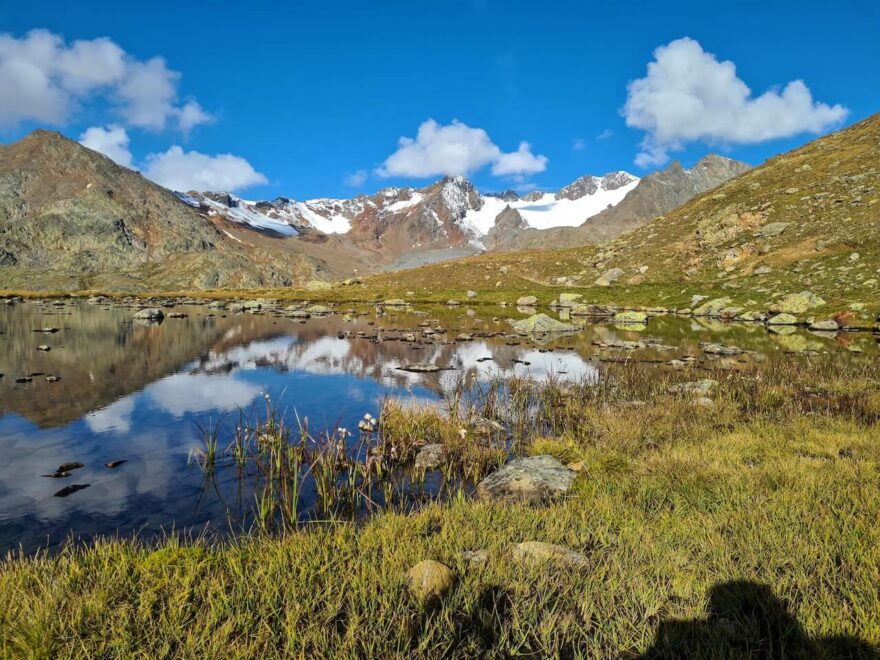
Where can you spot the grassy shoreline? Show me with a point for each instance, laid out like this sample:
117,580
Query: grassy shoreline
769,496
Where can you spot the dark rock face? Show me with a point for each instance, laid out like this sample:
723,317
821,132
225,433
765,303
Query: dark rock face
508,225
506,196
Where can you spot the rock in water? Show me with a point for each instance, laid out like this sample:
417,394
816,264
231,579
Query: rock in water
430,457
420,368
782,319
72,488
539,552
539,324
150,314
527,301
534,480
429,580
630,318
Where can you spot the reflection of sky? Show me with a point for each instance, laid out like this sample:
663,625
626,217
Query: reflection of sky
326,381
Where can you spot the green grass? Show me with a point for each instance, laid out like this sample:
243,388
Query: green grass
766,505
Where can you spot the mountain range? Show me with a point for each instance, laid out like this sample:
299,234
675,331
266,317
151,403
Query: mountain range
70,218
804,223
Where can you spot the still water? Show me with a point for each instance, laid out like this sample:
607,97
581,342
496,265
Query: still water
140,393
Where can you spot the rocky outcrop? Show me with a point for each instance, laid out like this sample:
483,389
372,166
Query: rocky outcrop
508,225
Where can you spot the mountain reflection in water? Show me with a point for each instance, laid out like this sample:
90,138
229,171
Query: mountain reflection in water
139,393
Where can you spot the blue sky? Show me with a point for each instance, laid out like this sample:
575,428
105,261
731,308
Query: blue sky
312,99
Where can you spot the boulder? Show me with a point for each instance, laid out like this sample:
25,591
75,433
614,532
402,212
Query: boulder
591,310
527,301
430,457
609,277
829,325
430,580
712,307
533,480
319,310
796,303
541,324
150,314
770,230
782,319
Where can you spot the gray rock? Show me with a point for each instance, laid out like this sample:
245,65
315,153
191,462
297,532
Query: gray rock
770,230
533,480
430,457
527,301
541,324
150,314
609,277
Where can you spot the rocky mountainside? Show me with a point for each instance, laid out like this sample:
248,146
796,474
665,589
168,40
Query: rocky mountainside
655,195
70,218
804,224
450,213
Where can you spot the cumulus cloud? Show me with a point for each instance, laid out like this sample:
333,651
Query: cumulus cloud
44,79
190,170
522,161
456,149
356,179
111,141
688,96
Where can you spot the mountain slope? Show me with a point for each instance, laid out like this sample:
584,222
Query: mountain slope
71,218
805,220
450,213
653,196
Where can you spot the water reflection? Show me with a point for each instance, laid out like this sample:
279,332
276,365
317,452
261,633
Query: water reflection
138,392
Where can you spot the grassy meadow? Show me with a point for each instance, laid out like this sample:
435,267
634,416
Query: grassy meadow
744,527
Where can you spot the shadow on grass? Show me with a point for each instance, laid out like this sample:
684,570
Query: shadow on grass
746,620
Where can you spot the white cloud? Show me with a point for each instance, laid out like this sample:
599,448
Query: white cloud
604,135
456,149
522,161
44,79
356,179
111,141
579,144
191,115
688,96
190,170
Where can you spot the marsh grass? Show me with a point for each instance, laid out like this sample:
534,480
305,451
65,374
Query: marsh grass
777,485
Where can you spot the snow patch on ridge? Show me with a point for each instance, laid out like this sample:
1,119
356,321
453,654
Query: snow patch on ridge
548,212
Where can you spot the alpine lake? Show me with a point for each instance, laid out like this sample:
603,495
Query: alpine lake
106,420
